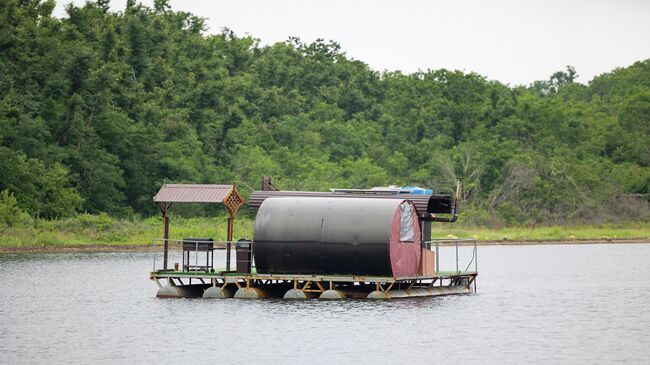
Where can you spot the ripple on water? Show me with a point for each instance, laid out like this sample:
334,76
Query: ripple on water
568,304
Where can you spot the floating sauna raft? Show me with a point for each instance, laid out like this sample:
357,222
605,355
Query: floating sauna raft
359,244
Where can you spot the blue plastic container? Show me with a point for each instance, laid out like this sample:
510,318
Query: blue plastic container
417,190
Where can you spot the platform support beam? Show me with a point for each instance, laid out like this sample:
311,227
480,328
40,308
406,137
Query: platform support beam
217,285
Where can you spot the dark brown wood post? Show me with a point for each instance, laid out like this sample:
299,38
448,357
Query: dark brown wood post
166,235
232,201
164,209
230,234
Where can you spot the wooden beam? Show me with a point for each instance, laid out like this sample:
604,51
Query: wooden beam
228,245
164,209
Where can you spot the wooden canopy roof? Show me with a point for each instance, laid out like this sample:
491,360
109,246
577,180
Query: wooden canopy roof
200,193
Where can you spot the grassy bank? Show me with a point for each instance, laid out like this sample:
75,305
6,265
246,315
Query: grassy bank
102,230
625,231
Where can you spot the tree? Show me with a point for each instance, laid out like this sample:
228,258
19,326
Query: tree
99,108
40,190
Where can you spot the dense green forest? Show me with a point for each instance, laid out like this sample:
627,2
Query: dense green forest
99,108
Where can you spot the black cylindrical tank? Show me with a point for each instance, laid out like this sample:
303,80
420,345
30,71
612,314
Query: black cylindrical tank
323,235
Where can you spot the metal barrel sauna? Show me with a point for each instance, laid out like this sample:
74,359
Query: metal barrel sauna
329,235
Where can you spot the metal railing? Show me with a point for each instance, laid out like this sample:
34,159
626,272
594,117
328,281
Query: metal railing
222,245
455,242
198,247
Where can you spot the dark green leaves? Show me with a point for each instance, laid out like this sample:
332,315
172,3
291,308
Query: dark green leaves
99,108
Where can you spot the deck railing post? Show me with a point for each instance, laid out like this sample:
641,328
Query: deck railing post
457,272
475,257
437,256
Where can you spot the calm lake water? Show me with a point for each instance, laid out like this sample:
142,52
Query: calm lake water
535,304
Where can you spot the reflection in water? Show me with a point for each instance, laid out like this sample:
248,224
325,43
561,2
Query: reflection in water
569,304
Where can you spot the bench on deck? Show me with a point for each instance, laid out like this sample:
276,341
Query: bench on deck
195,245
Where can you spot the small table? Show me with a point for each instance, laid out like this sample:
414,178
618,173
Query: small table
198,244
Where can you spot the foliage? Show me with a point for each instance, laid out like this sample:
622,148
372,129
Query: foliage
41,190
99,108
10,213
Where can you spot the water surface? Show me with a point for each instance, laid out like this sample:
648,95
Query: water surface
535,304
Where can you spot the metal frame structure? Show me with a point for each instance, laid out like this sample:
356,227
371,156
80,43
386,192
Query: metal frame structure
357,287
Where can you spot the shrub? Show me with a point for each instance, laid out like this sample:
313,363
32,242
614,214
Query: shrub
11,214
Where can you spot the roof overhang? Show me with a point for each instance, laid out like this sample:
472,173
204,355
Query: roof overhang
425,204
200,193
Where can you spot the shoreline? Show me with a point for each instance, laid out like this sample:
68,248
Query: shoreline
96,248
568,241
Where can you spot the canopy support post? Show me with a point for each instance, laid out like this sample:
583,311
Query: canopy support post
164,209
166,237
232,202
228,245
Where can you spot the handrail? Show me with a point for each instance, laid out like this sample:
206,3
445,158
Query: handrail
189,241
456,241
452,240
222,245
437,242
